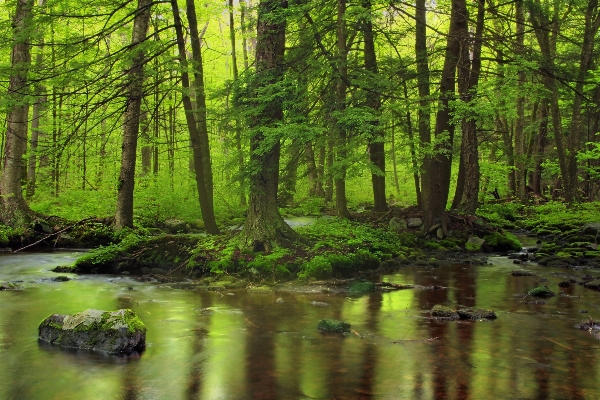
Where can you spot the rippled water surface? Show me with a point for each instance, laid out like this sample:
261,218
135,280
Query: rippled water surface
207,345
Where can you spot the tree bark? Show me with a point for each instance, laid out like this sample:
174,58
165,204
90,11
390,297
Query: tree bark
264,228
14,211
135,80
519,137
467,187
206,205
341,202
441,162
373,101
424,113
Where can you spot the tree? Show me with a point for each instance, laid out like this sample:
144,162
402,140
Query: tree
264,228
14,211
440,165
196,119
131,117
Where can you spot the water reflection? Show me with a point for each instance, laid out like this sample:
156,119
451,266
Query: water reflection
206,345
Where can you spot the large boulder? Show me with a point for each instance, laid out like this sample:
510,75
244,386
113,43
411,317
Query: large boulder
116,332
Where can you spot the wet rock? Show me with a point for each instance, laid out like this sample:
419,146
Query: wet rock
62,268
474,244
540,291
590,228
176,226
259,290
61,278
279,300
595,284
475,313
9,286
564,284
116,332
442,312
398,224
319,304
414,222
521,272
361,287
333,325
583,311
592,326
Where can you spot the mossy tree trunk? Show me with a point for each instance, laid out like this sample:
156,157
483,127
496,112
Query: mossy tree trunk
14,211
264,228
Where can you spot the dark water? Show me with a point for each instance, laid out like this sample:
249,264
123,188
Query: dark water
206,345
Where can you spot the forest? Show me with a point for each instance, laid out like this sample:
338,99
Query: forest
213,114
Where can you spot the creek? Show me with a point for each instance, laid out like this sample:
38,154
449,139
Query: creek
235,345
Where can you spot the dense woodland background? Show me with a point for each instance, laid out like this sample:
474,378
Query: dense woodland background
208,111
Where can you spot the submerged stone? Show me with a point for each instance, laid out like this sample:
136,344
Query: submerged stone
595,284
333,325
361,287
521,272
475,313
116,332
540,291
442,312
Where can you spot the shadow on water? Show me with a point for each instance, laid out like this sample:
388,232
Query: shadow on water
207,345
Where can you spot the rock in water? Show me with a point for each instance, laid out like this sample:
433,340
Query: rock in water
116,332
332,325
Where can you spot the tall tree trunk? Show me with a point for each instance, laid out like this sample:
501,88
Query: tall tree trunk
146,143
14,211
341,203
135,80
519,137
373,101
238,127
206,205
592,24
538,148
412,146
424,113
264,228
467,187
441,162
38,107
200,114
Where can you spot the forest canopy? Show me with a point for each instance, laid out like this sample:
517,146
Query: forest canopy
211,112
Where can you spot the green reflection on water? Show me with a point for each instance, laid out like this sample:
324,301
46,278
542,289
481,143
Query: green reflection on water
204,345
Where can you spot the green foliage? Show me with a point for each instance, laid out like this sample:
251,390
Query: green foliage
125,239
7,234
317,267
501,214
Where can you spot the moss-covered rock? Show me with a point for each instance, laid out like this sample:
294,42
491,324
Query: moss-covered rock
540,291
361,287
116,332
474,244
260,290
442,312
595,284
333,325
475,313
497,241
9,286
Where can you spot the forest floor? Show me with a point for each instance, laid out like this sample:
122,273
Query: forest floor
333,253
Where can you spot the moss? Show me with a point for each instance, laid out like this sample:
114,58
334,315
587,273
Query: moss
497,241
475,313
540,291
591,254
433,245
442,312
361,287
333,325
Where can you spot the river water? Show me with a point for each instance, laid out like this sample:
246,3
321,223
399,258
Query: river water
208,345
